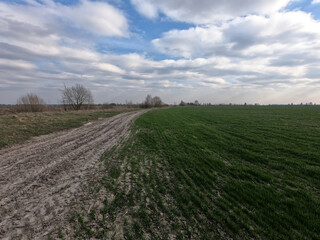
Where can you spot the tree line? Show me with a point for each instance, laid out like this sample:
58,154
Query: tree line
75,98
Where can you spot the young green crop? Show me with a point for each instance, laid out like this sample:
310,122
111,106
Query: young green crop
235,172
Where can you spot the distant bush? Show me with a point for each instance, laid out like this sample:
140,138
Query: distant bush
30,103
195,103
182,103
108,105
152,102
130,104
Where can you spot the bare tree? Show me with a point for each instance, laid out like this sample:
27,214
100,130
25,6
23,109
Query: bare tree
76,96
148,102
157,102
152,101
30,103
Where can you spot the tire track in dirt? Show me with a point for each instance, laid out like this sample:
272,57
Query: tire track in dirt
39,179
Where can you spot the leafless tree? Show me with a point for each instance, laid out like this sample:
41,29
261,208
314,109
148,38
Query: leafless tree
148,101
30,103
76,96
152,102
157,102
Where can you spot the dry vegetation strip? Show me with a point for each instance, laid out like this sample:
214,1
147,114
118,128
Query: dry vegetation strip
209,173
18,127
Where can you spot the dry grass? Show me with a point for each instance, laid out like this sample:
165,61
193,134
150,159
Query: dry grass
19,127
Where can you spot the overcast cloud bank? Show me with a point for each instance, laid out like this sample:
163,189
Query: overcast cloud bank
236,51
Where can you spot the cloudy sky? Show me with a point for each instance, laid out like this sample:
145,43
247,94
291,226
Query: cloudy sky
231,51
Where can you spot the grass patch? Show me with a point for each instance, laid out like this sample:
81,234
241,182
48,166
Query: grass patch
17,128
227,172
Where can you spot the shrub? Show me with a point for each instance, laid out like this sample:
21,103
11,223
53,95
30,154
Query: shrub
30,103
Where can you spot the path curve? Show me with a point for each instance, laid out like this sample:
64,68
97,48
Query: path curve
39,179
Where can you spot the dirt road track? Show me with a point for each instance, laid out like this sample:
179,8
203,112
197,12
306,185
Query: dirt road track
39,179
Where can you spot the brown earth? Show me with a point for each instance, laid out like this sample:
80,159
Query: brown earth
40,179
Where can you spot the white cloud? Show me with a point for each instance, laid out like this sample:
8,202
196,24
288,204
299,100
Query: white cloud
285,33
207,11
96,17
110,68
42,29
146,8
251,58
132,76
315,1
7,63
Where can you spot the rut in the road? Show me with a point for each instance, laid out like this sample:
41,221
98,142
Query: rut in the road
39,179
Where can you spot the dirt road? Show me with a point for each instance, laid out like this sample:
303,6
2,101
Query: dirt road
40,179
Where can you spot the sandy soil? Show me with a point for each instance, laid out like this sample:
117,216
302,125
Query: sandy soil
40,179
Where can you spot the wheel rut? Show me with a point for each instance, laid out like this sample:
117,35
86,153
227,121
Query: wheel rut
40,179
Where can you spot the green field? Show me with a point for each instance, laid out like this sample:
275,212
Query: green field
223,172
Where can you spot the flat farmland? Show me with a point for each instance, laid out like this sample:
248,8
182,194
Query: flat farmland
220,172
